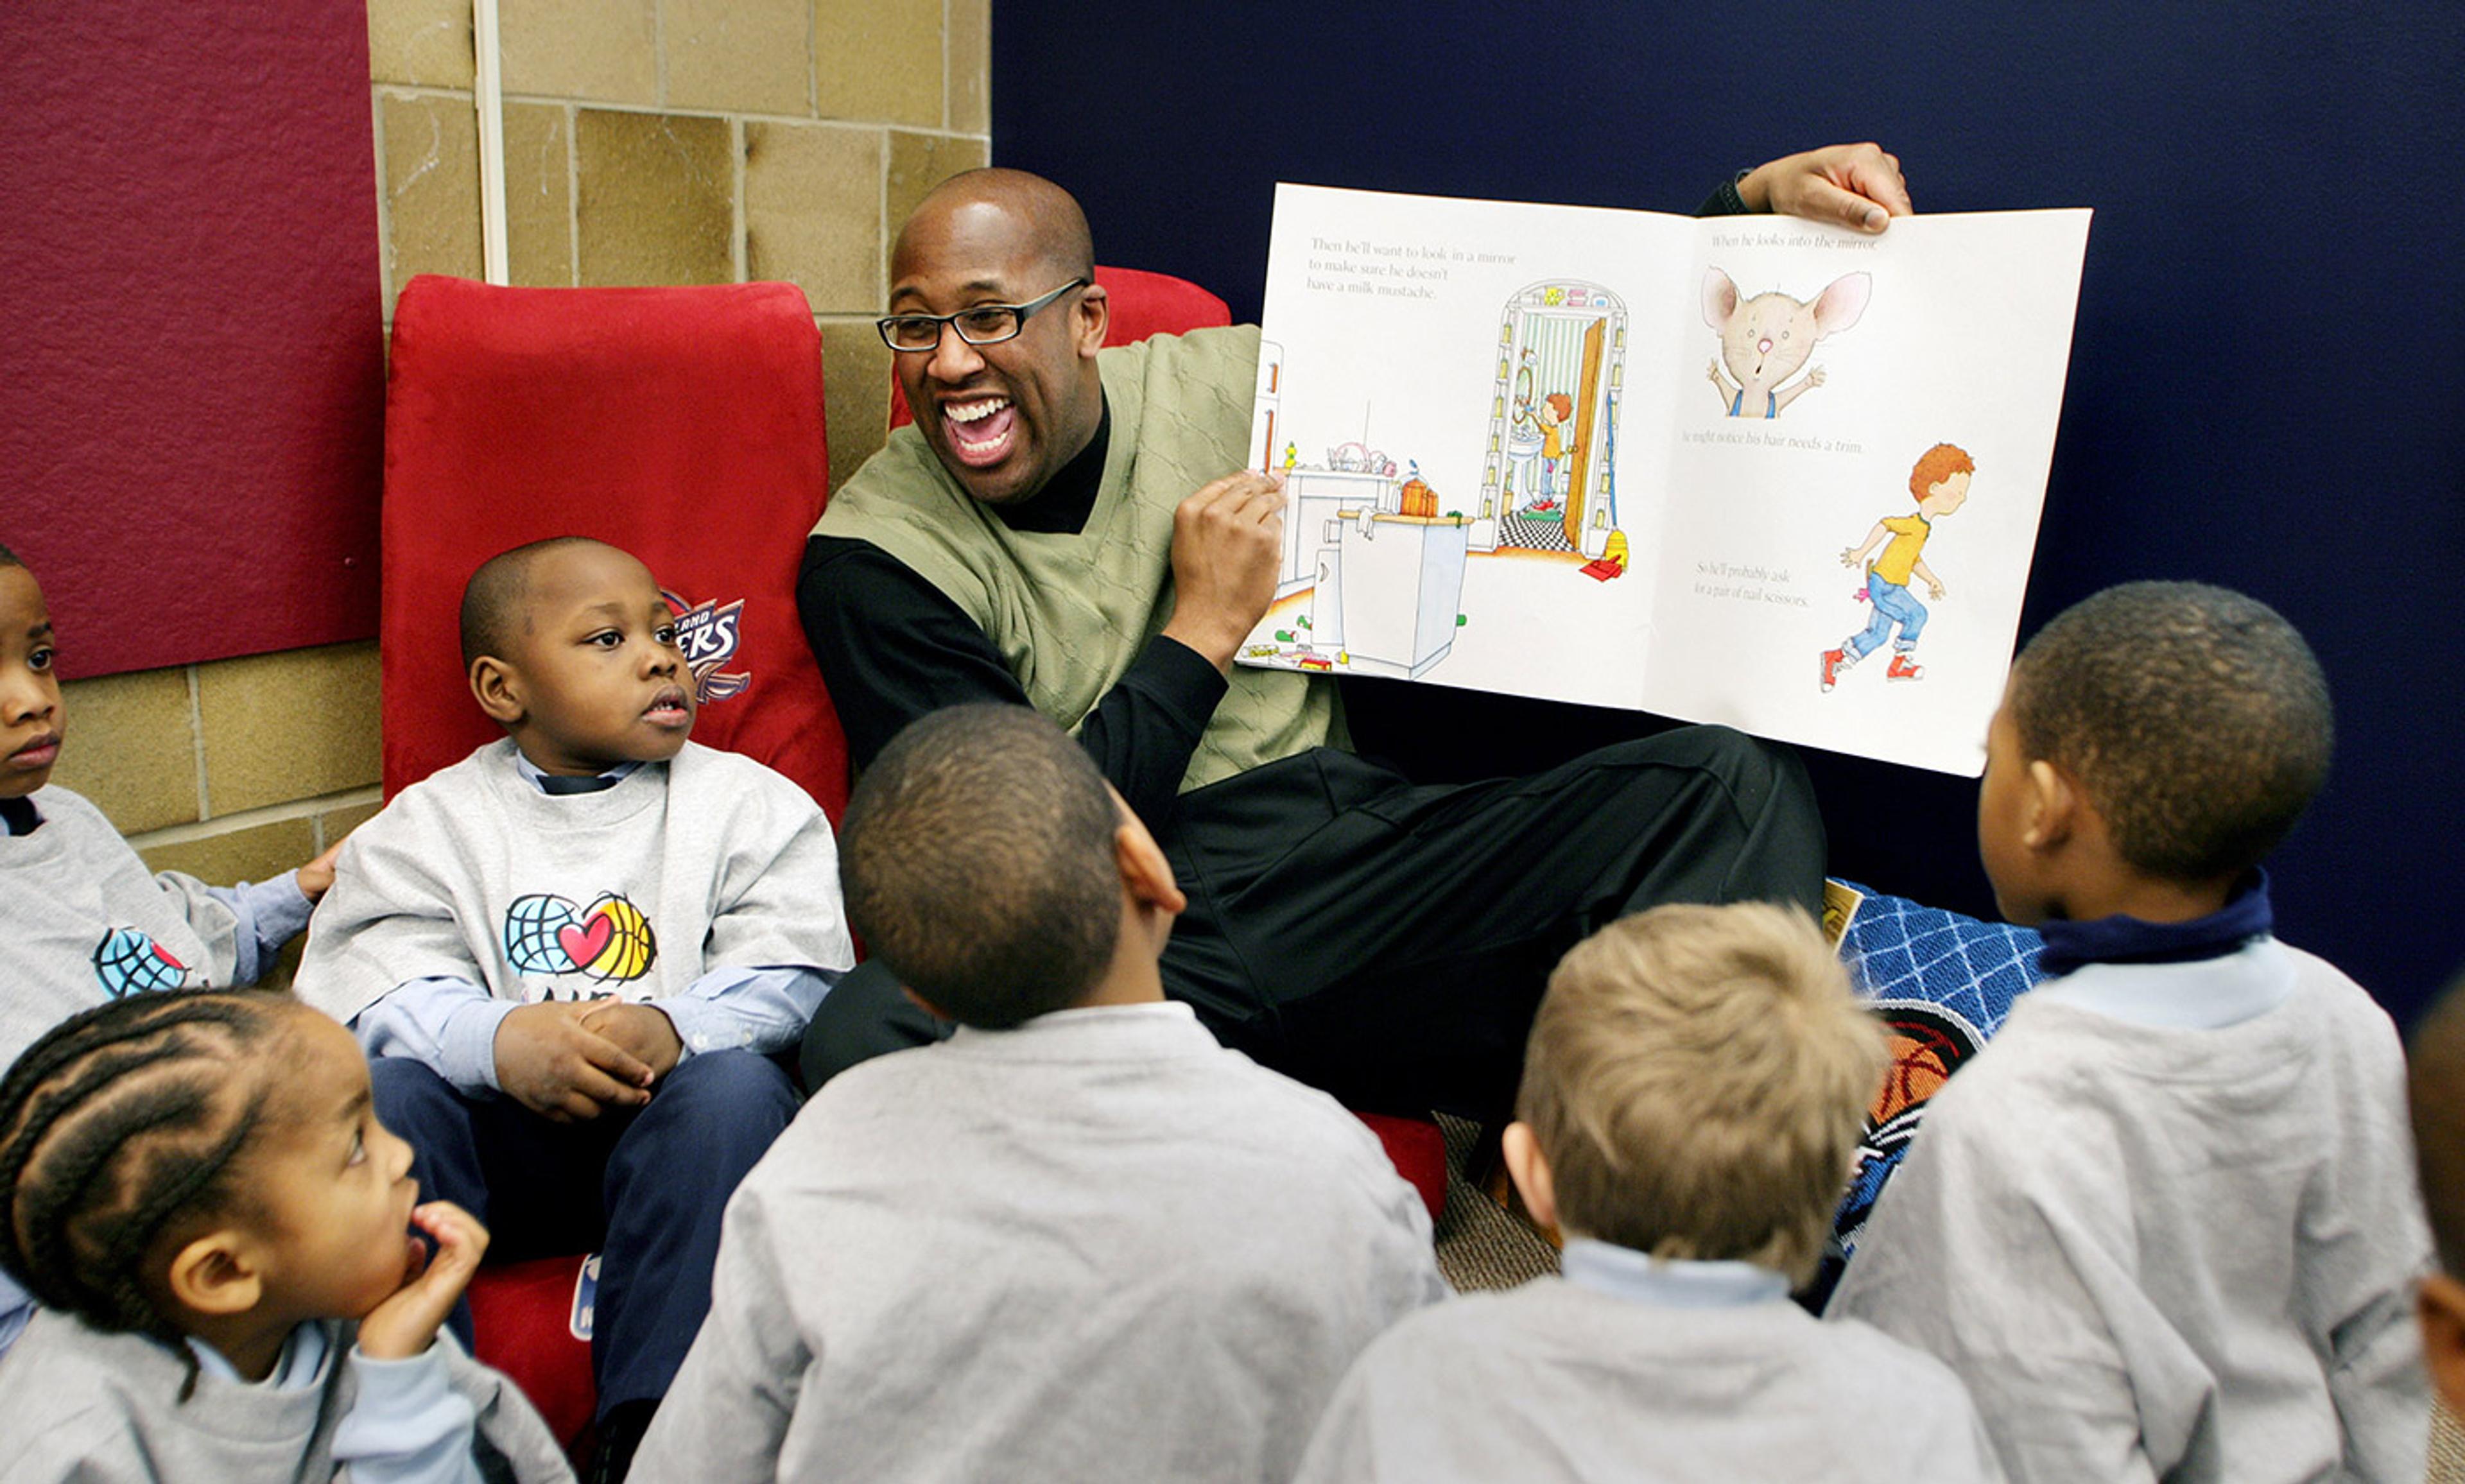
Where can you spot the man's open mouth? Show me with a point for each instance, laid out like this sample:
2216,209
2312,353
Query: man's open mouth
980,428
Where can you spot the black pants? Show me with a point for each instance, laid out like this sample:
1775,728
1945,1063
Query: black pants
1390,942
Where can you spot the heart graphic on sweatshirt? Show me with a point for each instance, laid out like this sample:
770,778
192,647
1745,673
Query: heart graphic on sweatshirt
582,941
609,940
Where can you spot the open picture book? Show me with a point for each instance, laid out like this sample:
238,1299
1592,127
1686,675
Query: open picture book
1746,469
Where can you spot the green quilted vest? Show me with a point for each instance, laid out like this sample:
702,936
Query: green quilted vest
1070,612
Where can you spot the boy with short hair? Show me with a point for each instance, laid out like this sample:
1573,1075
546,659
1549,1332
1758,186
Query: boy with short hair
87,921
2164,1224
1077,1240
571,955
1689,1111
2435,1093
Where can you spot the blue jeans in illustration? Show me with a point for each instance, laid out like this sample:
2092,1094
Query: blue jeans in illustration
1892,604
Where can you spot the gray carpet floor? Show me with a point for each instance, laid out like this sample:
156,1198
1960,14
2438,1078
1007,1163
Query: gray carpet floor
1481,1245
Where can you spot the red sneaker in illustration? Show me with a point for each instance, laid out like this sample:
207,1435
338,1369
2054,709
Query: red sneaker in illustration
1833,662
1904,668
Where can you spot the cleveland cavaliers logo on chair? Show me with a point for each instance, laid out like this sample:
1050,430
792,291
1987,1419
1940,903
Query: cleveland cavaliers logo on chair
707,635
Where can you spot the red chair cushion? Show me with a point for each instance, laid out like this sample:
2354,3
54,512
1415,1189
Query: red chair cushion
1142,304
523,1315
683,424
1419,1151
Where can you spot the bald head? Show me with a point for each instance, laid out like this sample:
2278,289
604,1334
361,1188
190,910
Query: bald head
1040,221
492,602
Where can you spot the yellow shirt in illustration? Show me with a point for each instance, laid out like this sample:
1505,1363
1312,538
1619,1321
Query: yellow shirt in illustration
1908,540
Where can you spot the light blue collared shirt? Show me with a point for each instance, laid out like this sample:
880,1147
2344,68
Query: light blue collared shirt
1623,1273
406,1424
270,914
2204,994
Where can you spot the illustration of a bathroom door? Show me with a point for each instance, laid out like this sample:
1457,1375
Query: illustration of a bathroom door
1587,437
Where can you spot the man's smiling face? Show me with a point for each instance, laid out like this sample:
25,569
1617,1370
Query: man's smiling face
1002,418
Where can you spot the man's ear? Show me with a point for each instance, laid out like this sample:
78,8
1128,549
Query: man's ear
1529,1169
2441,1306
1090,318
497,688
1146,874
217,1273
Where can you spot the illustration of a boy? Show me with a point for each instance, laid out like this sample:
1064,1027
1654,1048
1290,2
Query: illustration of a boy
1556,412
1940,481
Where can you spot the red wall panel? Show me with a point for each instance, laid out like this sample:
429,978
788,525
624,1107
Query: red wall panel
192,373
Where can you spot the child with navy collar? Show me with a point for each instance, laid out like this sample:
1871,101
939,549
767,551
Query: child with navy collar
2166,1222
1691,1102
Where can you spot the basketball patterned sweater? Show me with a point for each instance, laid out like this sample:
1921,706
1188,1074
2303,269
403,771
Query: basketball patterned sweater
708,861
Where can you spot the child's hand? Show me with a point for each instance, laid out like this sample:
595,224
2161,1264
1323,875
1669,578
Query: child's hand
317,878
643,1030
1934,590
405,1323
1847,556
561,1069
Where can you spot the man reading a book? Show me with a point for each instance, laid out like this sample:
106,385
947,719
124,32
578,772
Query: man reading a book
1072,528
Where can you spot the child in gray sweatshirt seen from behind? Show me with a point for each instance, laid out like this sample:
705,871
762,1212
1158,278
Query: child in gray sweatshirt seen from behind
1690,1105
1079,1240
2165,1223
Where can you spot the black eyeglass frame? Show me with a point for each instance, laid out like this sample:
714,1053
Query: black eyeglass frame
1018,314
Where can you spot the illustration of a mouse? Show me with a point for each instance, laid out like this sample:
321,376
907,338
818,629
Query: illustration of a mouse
1764,339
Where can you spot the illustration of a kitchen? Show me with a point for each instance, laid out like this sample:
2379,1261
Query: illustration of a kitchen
1386,552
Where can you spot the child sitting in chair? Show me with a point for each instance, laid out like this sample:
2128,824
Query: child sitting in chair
1690,1107
1079,1239
2164,1224
196,1186
571,955
87,921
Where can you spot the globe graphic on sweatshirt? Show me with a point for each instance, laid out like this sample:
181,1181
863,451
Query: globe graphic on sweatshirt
608,940
130,963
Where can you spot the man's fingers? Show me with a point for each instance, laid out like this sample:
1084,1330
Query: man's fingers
1257,505
1824,201
1235,492
1877,177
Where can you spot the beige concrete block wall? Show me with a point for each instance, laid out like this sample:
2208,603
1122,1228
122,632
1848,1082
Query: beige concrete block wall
646,142
232,772
688,141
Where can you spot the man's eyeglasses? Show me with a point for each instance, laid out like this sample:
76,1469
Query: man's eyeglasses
985,324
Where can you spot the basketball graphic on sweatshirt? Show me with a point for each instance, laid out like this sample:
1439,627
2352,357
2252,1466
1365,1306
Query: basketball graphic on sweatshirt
609,940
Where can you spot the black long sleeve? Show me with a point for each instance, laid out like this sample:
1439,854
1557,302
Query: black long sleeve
893,647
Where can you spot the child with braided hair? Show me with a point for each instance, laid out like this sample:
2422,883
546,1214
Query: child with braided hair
216,1228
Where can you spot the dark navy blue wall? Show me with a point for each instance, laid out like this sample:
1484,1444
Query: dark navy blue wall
2268,380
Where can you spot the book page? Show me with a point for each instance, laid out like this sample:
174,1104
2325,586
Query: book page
1749,470
1468,426
1810,591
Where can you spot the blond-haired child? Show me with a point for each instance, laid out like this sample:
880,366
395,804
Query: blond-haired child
1690,1106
